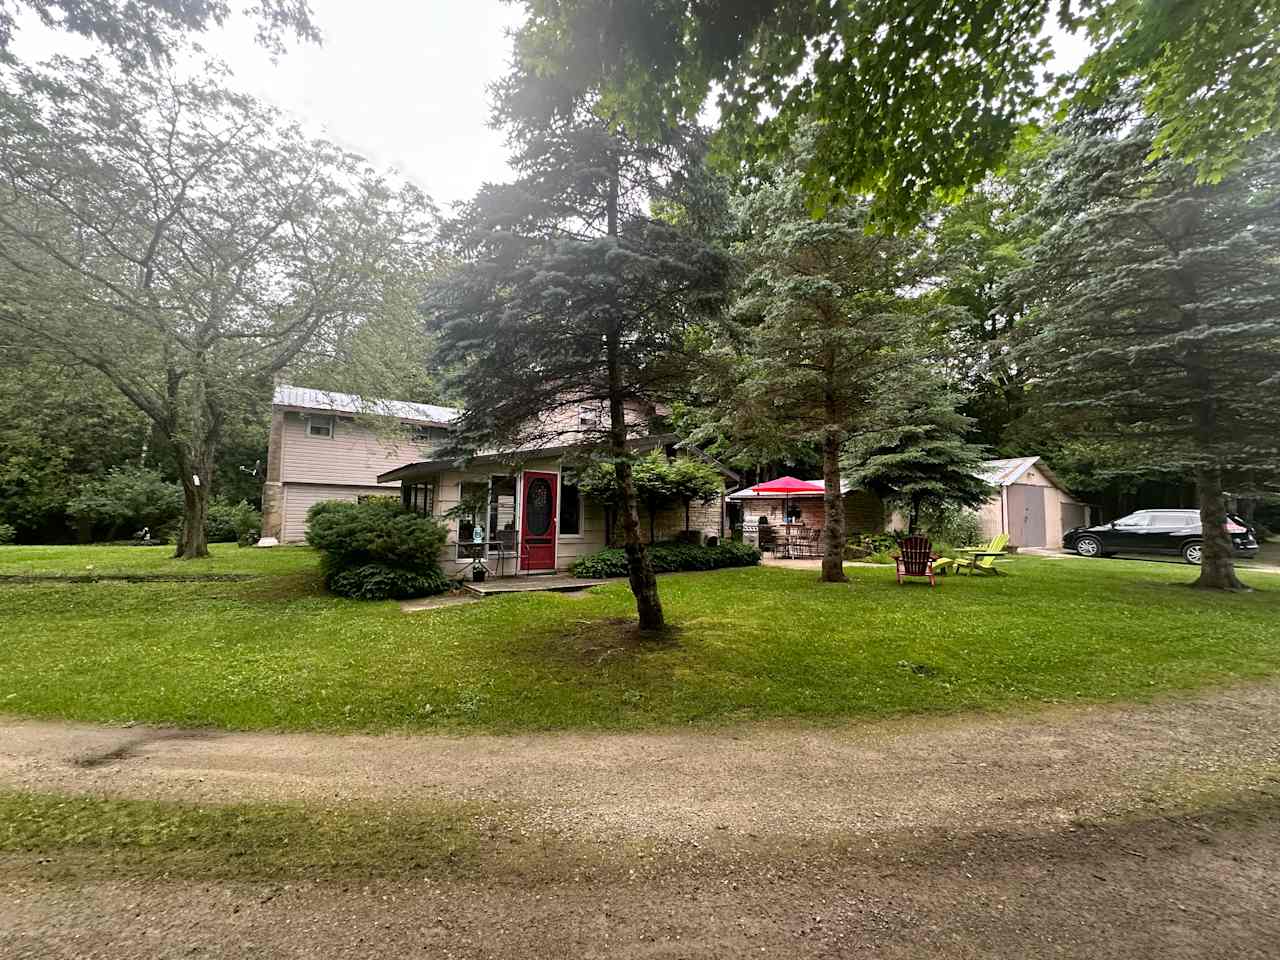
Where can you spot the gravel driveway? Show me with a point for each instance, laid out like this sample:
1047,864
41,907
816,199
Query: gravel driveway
1105,831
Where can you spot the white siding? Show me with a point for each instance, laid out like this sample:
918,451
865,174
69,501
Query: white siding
299,498
355,454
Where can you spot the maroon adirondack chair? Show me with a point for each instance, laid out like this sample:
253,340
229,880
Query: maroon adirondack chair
915,559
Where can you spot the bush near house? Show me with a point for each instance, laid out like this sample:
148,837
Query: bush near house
377,550
232,522
670,557
126,500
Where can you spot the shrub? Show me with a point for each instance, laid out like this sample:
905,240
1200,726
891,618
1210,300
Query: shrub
952,525
231,522
127,499
670,558
866,546
380,581
7,533
377,550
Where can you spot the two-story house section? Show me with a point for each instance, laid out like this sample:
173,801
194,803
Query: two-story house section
332,446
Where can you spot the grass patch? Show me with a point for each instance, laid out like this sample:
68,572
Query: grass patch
747,644
259,840
224,558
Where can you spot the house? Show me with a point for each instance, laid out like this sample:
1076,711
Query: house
863,510
1030,504
519,511
332,446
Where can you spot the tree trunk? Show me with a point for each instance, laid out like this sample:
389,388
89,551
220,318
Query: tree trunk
914,519
1217,569
833,501
644,585
196,473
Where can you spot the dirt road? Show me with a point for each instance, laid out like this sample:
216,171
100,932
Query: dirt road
1132,831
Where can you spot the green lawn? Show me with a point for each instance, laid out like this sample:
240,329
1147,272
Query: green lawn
275,652
224,558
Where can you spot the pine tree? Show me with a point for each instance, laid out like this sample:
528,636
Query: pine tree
923,459
1159,309
824,337
572,291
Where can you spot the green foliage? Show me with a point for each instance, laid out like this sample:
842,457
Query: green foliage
1208,73
381,581
659,480
923,459
126,500
8,533
908,100
231,522
670,558
1157,307
376,549
953,525
309,239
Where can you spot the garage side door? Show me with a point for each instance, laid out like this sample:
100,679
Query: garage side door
1026,515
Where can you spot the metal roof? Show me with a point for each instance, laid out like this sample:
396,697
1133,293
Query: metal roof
1003,473
304,398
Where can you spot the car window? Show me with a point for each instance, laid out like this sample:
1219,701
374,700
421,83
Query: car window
1175,519
1134,520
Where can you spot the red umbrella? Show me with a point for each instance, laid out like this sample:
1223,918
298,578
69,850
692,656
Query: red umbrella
787,485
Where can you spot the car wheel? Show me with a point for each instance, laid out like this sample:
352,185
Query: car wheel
1191,552
1089,547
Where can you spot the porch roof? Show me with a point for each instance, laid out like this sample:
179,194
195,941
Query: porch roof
423,469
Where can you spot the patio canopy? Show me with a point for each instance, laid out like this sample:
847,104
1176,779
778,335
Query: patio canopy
781,487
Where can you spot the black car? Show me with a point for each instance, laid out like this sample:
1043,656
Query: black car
1171,532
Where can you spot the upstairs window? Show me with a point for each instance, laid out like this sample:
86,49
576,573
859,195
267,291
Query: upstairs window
320,426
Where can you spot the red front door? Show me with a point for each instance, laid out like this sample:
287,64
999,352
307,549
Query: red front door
538,529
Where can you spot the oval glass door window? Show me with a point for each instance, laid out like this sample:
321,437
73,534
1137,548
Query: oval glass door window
538,509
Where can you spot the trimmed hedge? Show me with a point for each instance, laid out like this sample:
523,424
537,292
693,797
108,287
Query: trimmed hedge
377,550
670,557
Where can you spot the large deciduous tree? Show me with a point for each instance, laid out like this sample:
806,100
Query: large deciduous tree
185,243
911,98
825,335
146,32
1158,309
573,292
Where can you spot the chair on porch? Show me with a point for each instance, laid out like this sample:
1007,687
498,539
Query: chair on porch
915,559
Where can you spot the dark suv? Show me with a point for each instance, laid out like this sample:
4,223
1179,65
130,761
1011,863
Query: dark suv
1172,532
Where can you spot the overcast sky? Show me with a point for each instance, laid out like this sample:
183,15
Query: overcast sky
402,82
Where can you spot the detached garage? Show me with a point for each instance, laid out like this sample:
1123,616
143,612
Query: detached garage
1032,506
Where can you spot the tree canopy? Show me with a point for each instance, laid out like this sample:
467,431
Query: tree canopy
1157,308
186,244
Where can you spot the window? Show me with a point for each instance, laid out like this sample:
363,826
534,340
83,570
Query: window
319,426
502,511
590,415
473,512
794,513
1135,521
430,436
570,509
419,497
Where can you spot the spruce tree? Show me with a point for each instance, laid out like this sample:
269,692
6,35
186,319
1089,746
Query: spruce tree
922,458
572,291
1158,309
824,337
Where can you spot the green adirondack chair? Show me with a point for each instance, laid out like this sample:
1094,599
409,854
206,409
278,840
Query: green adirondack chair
983,559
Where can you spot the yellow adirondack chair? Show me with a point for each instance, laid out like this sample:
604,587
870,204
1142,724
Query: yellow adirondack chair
982,559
